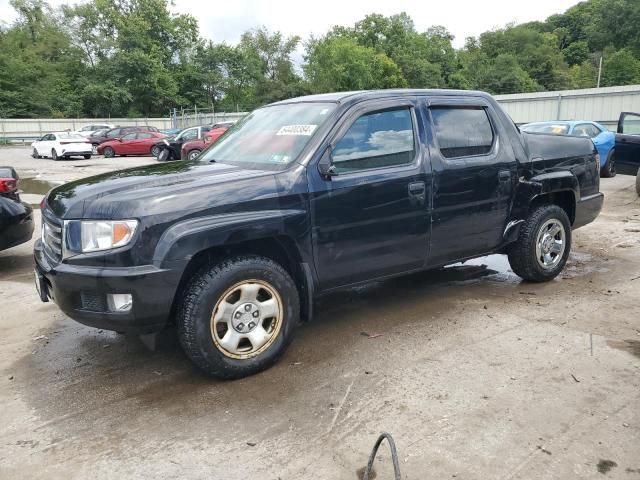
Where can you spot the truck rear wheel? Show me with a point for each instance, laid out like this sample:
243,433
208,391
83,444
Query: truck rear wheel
236,318
543,245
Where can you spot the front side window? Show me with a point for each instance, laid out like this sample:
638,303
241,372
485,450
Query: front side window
188,134
271,137
113,133
376,140
631,124
462,131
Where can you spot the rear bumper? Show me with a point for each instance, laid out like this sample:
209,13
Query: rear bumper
74,151
81,293
588,209
19,232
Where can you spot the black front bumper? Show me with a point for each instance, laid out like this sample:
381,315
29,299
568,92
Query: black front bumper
587,209
81,293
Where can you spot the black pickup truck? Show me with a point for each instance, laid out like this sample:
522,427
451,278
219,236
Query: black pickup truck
303,197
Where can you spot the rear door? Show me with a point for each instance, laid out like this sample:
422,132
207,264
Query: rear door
474,175
628,143
144,142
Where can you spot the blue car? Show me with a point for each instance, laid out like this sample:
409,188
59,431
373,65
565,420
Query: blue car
603,139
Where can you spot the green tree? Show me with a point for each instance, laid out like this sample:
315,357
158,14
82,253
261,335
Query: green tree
621,68
341,64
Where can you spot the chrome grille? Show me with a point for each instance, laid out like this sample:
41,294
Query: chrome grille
52,237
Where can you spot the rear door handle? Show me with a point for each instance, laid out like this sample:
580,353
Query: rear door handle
504,175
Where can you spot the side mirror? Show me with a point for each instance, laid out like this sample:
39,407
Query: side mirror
325,166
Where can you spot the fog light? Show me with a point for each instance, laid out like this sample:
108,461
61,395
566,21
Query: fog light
119,302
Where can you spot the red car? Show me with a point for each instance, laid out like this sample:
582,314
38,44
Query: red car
134,143
191,149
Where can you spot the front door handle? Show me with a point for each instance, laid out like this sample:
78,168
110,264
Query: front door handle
417,188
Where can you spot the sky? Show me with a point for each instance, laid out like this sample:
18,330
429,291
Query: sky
226,20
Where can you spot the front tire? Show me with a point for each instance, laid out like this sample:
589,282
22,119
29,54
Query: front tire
34,154
609,169
54,155
543,245
164,155
109,152
237,318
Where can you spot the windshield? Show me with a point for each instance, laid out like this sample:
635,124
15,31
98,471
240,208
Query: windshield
554,128
270,136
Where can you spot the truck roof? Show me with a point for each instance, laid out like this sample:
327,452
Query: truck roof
355,96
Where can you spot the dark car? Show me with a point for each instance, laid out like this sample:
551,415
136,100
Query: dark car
112,134
307,196
171,148
627,149
16,217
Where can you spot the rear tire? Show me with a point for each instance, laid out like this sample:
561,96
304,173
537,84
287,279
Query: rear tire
87,157
155,151
237,318
34,154
193,154
543,245
54,155
109,152
609,169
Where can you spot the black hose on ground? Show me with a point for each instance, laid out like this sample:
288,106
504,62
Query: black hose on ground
394,457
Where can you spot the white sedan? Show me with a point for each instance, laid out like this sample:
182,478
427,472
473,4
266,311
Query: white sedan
61,145
88,130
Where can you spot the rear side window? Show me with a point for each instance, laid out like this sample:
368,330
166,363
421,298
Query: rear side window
145,135
462,131
376,140
586,130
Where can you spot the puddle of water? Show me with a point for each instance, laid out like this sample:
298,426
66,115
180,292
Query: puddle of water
36,186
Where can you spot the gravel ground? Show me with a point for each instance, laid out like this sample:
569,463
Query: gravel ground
475,374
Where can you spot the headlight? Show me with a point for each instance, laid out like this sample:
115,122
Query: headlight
96,235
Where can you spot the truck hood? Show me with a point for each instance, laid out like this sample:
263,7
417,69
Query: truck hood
165,187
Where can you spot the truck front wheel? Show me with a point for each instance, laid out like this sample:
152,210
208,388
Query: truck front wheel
236,318
543,245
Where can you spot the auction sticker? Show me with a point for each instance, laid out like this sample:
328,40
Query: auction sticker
297,130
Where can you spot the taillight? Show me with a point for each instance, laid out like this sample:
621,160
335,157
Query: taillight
8,185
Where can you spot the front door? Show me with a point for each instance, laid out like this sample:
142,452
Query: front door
474,172
371,217
627,149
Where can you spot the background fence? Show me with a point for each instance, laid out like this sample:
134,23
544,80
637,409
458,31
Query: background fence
28,129
600,104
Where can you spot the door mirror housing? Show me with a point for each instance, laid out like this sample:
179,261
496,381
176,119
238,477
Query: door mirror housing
325,165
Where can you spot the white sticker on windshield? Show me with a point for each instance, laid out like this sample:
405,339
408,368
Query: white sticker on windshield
297,130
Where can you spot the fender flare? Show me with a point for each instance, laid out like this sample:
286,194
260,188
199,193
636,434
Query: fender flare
180,242
527,191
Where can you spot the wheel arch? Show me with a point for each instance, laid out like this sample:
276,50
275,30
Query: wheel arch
556,188
274,234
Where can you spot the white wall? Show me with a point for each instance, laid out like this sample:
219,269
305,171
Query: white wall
600,104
